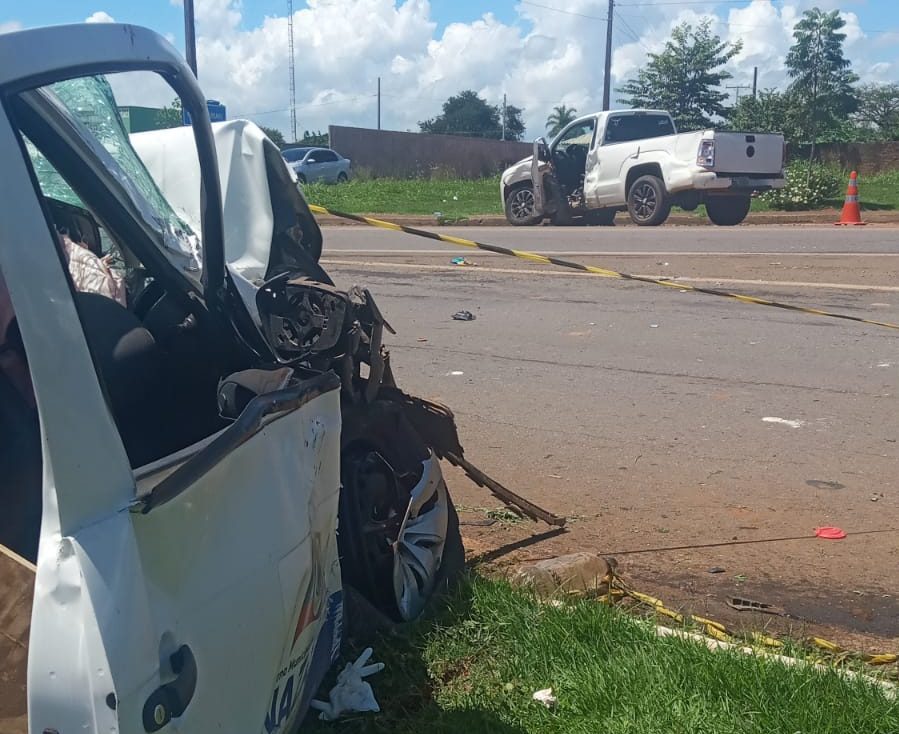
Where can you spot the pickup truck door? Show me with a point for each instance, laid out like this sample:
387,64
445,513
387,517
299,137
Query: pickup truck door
604,182
625,137
199,589
543,178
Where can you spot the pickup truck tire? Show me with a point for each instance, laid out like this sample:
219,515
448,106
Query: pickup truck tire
520,206
727,211
648,202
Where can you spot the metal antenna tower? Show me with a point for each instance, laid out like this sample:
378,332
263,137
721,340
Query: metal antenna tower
293,79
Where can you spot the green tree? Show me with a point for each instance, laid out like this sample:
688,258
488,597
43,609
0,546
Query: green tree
467,114
514,124
878,110
686,77
822,80
170,116
274,135
770,112
559,118
316,138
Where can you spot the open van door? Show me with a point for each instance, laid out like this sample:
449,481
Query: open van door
200,590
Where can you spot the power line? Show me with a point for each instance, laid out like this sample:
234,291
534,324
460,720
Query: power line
560,10
687,2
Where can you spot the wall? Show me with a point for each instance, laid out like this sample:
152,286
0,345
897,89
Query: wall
866,158
403,155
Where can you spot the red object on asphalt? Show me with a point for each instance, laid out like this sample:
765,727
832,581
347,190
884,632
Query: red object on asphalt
830,533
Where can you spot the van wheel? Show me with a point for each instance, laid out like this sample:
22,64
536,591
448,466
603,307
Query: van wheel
520,205
398,532
301,178
342,177
647,202
727,211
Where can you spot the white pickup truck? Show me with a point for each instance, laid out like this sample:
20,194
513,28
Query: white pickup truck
636,160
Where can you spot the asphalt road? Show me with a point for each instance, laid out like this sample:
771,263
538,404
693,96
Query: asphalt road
657,419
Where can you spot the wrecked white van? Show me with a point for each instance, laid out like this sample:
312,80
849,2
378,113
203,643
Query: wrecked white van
189,415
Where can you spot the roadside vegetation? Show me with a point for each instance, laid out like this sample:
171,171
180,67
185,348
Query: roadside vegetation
460,199
476,666
452,198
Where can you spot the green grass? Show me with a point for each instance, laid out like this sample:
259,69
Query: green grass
475,667
480,197
454,198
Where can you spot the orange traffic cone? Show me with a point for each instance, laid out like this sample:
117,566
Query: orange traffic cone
851,213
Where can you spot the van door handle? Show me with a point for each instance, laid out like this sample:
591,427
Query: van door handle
171,700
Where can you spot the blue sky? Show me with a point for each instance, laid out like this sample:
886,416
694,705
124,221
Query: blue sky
537,52
163,16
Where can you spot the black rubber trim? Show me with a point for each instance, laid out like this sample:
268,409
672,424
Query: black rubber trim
242,430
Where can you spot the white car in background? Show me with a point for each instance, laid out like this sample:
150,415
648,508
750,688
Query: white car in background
636,161
317,165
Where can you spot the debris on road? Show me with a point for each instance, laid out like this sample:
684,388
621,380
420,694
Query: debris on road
783,422
455,373
463,261
351,694
585,574
463,316
749,605
546,697
716,569
830,533
824,484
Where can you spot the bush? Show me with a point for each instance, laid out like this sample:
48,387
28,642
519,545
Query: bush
809,186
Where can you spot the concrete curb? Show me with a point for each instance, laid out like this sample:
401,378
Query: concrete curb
820,217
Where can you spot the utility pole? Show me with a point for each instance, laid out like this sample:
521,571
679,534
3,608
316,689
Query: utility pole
293,79
379,103
190,36
755,82
607,79
737,88
504,117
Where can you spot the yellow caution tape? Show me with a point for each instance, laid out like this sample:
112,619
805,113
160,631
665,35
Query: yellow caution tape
618,587
592,269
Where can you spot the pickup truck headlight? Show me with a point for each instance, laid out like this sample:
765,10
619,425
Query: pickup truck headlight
706,156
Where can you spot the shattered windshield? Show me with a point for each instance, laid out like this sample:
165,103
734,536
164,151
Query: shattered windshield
91,103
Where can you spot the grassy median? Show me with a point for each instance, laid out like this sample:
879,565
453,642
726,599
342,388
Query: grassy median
453,198
461,199
474,669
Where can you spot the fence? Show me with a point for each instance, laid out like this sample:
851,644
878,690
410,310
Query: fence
387,153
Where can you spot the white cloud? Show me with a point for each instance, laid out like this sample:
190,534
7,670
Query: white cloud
101,16
543,59
8,26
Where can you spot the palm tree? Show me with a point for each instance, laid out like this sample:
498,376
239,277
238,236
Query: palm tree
559,118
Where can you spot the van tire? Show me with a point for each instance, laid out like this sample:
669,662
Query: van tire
727,211
648,202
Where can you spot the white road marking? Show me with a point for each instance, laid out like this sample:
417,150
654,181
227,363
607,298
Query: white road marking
784,422
575,273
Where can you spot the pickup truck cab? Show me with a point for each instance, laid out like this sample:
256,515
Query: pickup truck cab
635,160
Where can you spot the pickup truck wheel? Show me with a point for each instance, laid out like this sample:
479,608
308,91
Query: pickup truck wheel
647,202
520,206
727,211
